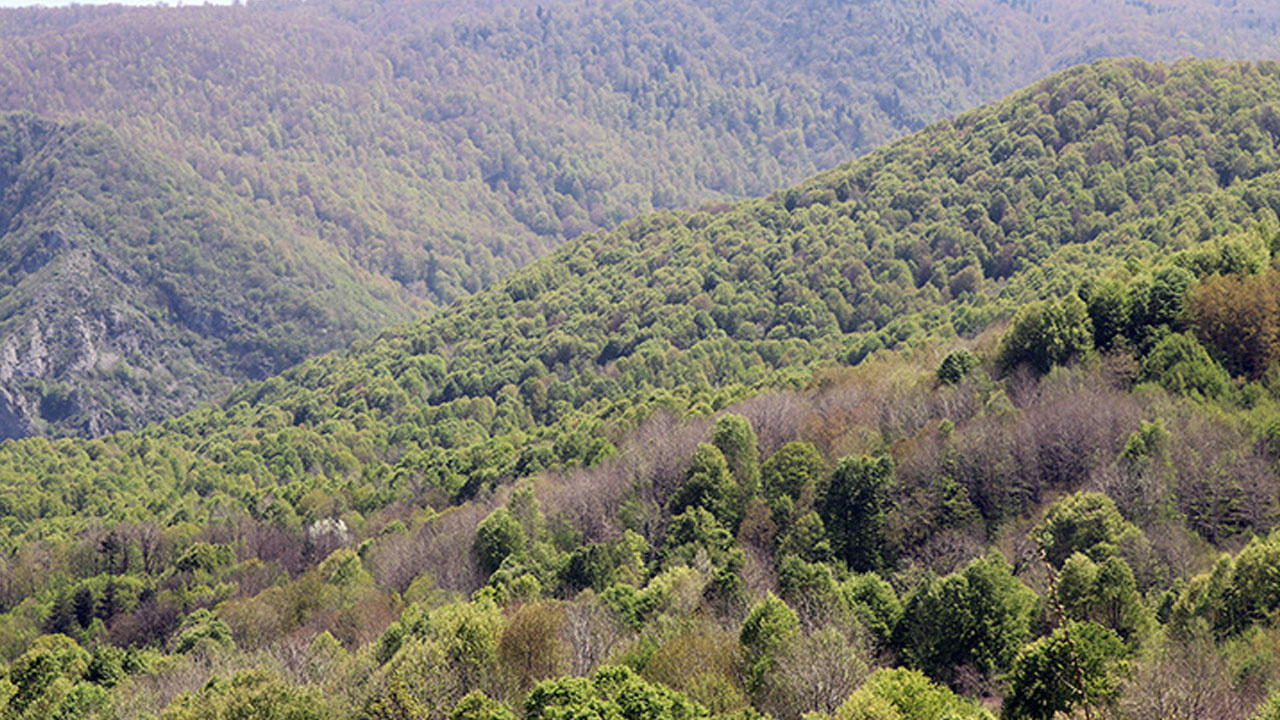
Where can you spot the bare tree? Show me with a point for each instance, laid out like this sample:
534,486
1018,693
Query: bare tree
1187,680
592,632
816,673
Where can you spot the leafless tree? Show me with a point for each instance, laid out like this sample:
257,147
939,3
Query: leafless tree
816,673
592,632
1186,681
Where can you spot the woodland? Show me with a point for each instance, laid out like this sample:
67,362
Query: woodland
192,198
985,423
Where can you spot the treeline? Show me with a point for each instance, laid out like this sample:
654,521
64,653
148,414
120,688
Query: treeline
456,146
897,541
359,527
692,311
132,289
427,152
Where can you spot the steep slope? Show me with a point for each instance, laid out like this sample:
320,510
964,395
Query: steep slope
935,236
290,527
133,289
438,146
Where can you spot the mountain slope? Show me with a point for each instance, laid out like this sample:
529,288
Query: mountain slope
289,528
937,235
133,288
437,147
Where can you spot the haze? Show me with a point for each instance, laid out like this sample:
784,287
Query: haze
59,3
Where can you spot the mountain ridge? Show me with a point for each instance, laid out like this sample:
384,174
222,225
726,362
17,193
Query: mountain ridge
432,154
875,410
95,299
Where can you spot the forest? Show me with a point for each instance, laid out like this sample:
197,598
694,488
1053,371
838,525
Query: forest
983,424
363,163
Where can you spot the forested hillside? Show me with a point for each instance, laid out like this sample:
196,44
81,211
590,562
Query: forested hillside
438,146
982,423
133,288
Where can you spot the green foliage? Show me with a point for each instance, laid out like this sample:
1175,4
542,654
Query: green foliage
1085,522
478,706
853,508
1081,664
201,629
1105,593
508,383
1203,600
807,540
249,693
769,625
737,440
203,282
206,558
309,204
1109,308
978,617
790,477
875,604
327,498
1270,709
902,694
499,536
956,365
1047,334
1254,589
1237,254
611,692
1180,364
709,485
439,659
45,678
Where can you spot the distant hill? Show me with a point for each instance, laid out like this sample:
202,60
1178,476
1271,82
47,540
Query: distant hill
1089,221
1114,165
436,147
133,288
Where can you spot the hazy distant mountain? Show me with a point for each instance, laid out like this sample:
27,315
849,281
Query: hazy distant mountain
438,146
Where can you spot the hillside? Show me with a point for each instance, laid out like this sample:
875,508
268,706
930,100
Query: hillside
133,288
1062,311
433,148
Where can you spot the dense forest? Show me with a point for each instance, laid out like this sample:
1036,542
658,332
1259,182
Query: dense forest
985,423
387,158
132,288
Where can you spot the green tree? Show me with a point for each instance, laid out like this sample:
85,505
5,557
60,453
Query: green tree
768,626
874,602
498,536
736,439
1180,364
1253,592
790,477
1084,522
807,540
708,484
902,694
1108,306
978,617
44,676
1105,593
202,629
1046,334
956,365
610,693
256,694
853,510
478,706
1080,664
